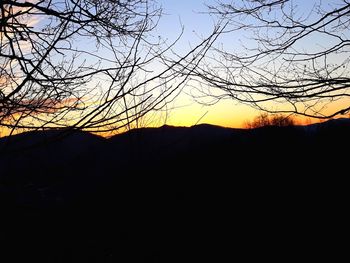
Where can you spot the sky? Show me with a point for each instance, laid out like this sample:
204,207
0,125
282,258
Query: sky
185,110
191,14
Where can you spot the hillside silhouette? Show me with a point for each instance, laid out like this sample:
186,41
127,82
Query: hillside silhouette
161,194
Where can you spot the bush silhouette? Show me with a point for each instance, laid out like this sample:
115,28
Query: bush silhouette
265,119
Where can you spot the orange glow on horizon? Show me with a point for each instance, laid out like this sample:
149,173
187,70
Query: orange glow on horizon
225,113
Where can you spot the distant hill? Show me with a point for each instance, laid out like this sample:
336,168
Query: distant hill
165,136
52,154
150,194
201,148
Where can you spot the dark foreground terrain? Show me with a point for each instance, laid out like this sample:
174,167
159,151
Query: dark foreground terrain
174,194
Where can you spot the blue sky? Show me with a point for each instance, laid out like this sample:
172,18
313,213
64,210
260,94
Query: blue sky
179,13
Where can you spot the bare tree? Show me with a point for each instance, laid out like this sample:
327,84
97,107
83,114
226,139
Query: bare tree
289,57
85,64
264,119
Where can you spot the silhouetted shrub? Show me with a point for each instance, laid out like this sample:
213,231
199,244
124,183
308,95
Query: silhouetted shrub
265,119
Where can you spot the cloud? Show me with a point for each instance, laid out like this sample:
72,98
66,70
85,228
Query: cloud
18,21
37,107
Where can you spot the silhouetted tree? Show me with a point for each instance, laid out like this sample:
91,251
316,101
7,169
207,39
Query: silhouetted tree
265,119
85,64
295,53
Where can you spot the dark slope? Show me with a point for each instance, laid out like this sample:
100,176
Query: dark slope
154,146
44,169
170,194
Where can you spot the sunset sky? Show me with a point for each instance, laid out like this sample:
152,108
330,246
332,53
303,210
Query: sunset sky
187,112
191,16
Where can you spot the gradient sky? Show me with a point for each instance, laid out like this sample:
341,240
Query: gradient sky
189,13
186,111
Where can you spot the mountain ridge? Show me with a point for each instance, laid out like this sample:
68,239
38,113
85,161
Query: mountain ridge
61,133
149,195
